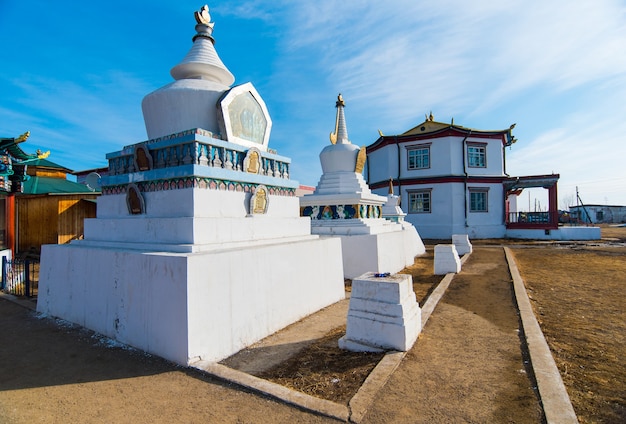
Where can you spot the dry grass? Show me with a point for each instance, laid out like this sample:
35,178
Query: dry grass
325,371
578,295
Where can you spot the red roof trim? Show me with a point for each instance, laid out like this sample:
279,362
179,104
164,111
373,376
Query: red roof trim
446,132
440,180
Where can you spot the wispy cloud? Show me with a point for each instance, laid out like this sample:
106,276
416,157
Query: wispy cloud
82,120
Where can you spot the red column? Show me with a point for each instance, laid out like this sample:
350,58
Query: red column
553,206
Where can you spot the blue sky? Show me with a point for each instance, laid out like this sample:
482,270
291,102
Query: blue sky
74,74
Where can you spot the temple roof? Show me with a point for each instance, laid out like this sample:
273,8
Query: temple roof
430,125
45,164
433,129
11,146
51,185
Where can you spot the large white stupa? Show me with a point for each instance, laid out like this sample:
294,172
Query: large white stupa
198,248
343,205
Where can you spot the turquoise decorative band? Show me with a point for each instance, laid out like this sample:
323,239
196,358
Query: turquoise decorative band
197,182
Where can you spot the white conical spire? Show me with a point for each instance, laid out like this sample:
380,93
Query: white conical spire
341,131
202,61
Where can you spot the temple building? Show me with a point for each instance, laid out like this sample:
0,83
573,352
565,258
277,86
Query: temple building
453,180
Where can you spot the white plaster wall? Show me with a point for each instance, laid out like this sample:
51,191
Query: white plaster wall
448,214
495,160
382,164
136,298
239,297
201,203
563,233
190,230
188,306
383,252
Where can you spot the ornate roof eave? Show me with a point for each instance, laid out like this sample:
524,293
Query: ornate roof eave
11,145
440,129
531,181
440,126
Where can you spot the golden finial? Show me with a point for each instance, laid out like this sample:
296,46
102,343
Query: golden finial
380,133
202,16
340,101
390,186
23,137
431,118
41,155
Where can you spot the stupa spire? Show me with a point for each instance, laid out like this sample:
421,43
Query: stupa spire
202,61
341,131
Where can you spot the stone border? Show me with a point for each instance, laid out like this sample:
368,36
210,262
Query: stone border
552,393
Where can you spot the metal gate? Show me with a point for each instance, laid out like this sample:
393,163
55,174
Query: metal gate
20,277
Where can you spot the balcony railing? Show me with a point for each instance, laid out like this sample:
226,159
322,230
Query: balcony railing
532,219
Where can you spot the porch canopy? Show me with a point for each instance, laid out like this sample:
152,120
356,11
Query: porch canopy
535,220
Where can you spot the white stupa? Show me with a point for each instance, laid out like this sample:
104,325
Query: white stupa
198,249
344,206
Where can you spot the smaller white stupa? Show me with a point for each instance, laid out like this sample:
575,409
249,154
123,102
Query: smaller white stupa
344,206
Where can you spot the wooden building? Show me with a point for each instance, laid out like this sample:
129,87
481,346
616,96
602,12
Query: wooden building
51,209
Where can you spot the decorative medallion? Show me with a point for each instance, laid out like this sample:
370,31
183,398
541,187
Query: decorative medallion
252,161
142,158
243,117
134,200
259,201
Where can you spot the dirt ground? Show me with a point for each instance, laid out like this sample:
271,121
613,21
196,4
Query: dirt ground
56,373
579,298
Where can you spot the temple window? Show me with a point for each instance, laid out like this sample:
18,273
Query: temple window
418,157
478,200
477,155
419,201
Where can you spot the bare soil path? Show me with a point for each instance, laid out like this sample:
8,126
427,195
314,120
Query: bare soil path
467,365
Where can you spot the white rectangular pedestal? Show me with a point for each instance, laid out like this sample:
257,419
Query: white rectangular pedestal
383,315
190,306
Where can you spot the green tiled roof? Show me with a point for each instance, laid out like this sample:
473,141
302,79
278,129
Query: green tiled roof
45,185
44,163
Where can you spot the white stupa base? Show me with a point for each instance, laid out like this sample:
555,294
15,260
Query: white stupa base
446,259
462,244
383,315
376,245
190,306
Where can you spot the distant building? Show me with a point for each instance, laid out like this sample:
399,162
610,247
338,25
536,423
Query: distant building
51,209
453,180
91,177
304,190
598,214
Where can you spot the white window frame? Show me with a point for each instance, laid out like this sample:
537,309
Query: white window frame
414,150
426,201
477,155
472,204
